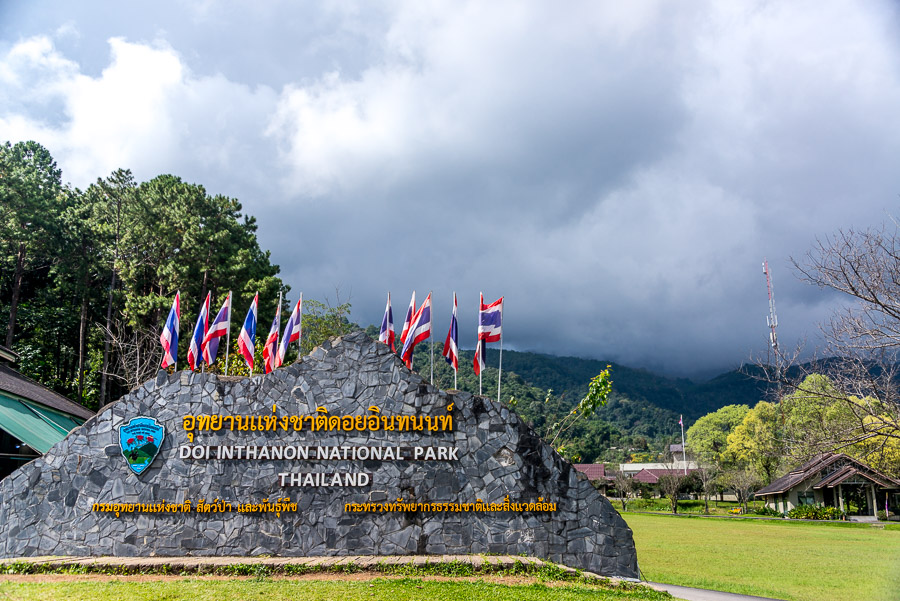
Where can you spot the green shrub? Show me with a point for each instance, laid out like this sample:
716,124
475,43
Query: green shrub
815,512
768,511
882,515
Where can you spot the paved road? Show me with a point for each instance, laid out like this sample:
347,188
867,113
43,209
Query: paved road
700,594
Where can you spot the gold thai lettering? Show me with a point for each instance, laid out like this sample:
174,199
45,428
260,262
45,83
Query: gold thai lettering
193,424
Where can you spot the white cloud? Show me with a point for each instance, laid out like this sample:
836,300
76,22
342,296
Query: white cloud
144,111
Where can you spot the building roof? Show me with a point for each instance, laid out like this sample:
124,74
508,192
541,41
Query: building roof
651,476
593,471
16,384
827,471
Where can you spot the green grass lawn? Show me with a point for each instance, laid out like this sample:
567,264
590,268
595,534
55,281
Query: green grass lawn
772,558
379,589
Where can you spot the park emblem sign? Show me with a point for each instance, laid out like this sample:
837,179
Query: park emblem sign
345,452
140,440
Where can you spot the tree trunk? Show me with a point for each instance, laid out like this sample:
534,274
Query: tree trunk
17,286
82,330
109,306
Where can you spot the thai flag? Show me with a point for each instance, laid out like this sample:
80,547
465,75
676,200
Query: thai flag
680,421
247,337
451,345
218,329
479,364
169,336
407,322
292,332
419,330
489,318
270,348
489,329
194,358
387,326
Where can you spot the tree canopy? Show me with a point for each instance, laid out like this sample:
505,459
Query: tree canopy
88,276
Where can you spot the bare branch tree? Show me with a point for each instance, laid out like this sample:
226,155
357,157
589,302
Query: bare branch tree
136,354
865,337
625,487
708,474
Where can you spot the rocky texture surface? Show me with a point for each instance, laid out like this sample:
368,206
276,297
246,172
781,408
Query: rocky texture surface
47,507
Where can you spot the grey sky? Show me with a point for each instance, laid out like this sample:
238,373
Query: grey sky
617,170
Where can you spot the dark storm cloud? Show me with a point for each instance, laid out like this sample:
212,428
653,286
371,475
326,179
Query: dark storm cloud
617,172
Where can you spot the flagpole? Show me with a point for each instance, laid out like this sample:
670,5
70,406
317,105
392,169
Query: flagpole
456,368
683,449
228,333
175,365
500,364
431,335
481,348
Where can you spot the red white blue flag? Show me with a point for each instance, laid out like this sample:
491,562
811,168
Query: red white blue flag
386,335
407,322
292,332
169,336
193,357
218,329
419,330
270,348
490,319
247,337
451,344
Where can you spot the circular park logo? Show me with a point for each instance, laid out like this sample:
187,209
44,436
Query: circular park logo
140,440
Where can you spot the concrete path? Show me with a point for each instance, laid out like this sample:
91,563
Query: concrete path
701,594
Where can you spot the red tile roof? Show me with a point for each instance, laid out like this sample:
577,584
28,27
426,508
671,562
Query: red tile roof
594,471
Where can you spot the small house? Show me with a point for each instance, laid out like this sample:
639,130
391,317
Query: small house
834,480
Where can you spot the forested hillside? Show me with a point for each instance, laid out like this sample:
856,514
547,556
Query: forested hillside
640,419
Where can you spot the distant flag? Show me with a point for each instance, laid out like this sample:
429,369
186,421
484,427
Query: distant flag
247,337
407,322
218,329
292,332
419,330
490,319
386,335
489,329
194,356
683,448
680,422
169,336
451,344
270,348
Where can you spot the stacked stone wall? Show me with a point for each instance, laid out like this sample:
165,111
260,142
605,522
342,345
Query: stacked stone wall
502,490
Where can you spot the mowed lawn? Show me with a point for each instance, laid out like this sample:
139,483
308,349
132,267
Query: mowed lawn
787,560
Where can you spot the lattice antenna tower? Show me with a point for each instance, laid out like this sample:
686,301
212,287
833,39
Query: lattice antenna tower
772,320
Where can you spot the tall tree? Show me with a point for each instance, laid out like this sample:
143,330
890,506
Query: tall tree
113,202
29,185
708,437
757,441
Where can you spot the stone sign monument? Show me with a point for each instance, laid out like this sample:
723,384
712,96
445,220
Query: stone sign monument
345,452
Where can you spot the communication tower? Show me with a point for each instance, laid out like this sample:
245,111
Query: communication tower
772,319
